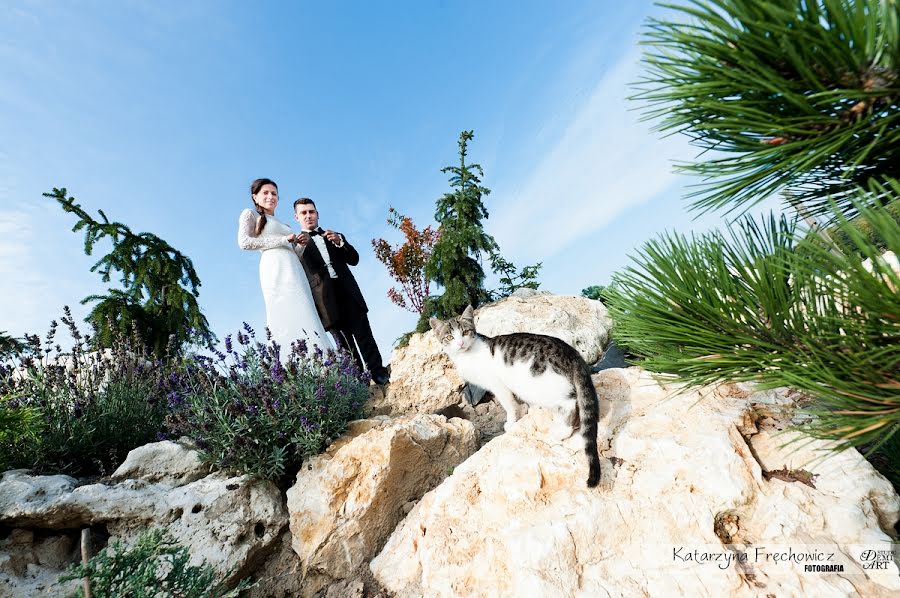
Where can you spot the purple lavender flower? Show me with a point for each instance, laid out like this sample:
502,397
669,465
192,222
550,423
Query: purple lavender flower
277,372
248,329
174,400
320,393
228,346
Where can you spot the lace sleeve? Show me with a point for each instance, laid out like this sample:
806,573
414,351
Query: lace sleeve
246,240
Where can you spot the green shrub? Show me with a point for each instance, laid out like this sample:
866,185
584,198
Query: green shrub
254,412
17,425
156,566
594,292
93,407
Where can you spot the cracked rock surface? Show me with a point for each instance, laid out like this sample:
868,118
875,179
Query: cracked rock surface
347,501
686,507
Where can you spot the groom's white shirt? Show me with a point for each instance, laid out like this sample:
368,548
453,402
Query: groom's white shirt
319,240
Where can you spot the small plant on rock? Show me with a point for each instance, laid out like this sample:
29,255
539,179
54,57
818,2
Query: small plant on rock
259,412
155,566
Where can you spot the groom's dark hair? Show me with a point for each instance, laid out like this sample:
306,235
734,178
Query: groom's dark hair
304,201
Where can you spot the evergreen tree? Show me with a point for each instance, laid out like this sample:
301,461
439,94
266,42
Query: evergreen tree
455,262
10,346
159,294
801,96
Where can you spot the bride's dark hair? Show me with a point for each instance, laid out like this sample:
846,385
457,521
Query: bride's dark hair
255,186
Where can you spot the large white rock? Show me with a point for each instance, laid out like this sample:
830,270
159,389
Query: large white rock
683,484
230,522
423,379
347,501
165,462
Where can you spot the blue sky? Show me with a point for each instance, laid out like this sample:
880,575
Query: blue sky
161,113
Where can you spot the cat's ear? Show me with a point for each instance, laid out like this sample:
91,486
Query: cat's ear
468,313
436,324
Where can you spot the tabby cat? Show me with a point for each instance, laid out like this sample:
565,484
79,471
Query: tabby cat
536,369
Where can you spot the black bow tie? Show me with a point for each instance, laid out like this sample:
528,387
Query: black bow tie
313,233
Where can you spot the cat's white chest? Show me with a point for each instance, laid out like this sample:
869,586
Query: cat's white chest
475,366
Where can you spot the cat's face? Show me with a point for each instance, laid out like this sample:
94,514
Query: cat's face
456,334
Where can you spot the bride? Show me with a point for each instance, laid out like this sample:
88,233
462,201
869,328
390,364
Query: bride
290,310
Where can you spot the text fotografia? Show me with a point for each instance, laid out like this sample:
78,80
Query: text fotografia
818,561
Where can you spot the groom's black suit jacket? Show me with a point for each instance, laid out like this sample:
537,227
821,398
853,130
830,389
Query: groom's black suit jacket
326,290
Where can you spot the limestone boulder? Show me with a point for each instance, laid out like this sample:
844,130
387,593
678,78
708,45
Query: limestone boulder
347,501
693,502
230,522
166,462
423,379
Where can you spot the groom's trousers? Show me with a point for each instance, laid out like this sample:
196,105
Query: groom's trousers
353,325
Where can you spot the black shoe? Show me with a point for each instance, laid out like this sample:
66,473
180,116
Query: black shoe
381,378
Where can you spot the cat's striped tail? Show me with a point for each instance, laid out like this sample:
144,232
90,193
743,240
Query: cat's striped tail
589,412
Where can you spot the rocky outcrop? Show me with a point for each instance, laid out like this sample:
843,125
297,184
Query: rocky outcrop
698,497
423,379
347,501
230,522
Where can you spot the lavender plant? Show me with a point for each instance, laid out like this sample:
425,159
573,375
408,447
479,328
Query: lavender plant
259,411
92,407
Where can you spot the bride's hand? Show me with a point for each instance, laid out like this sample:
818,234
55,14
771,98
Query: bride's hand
301,239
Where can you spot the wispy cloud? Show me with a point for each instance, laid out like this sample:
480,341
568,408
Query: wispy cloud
23,279
40,273
604,161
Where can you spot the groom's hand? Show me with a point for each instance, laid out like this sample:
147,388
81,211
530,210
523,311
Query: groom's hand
333,237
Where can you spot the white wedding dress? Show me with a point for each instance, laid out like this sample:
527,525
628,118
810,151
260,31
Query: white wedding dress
290,310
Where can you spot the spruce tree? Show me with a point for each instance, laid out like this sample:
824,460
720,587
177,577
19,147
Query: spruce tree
455,262
160,287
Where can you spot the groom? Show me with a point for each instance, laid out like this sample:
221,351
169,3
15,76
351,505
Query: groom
326,257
